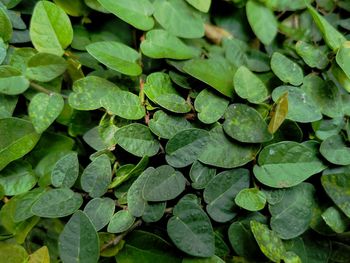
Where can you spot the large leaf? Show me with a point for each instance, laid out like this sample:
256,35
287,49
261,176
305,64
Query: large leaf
190,229
116,56
137,13
50,28
286,164
12,82
18,137
79,241
220,192
100,211
286,70
13,253
178,18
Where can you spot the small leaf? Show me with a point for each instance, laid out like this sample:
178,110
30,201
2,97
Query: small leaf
286,70
335,150
120,222
201,5
46,28
65,171
336,219
279,113
79,242
251,199
12,82
343,56
116,56
6,26
313,56
44,109
100,211
201,175
41,255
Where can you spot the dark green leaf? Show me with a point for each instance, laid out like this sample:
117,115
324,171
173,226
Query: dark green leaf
286,70
100,211
120,222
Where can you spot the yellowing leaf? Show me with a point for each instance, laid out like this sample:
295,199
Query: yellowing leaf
40,256
279,113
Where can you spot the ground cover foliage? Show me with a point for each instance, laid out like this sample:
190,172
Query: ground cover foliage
174,131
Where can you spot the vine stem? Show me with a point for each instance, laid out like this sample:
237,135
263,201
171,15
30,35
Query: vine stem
44,90
120,237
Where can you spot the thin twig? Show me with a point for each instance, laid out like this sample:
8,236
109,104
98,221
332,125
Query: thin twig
44,90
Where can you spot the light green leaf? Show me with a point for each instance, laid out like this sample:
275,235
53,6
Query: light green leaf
3,50
331,36
268,241
44,109
163,184
291,216
161,44
245,124
286,164
343,57
97,176
124,104
45,67
222,152
220,192
249,86
251,199
18,137
262,21
337,187
79,242
286,70
335,150
65,171
41,255
57,203
50,28
120,222
201,175
185,147
301,107
313,56
158,88
137,139
210,107
17,178
116,56
5,26
12,82
100,211
190,229
335,219
166,126
213,71
136,13
12,252
201,5
178,18
286,5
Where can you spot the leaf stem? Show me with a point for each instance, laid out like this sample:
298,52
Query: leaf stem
40,88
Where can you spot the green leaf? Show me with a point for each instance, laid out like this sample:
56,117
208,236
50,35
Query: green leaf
333,38
301,107
45,67
335,219
164,183
100,211
12,82
18,137
201,175
137,140
116,56
44,109
89,91
245,124
262,21
137,14
185,147
41,255
337,188
120,222
213,259
76,8
124,104
291,216
3,50
190,229
153,212
251,199
57,203
50,28
249,86
23,204
201,5
166,126
79,242
269,243
335,150
286,70
161,44
12,252
97,176
343,56
215,72
220,192
178,18
313,56
158,88
65,171
286,5
5,26
286,164
210,107
17,178
222,152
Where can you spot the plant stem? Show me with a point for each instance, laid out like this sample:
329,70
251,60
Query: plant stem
44,90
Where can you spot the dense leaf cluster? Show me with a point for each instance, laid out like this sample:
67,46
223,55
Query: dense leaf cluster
174,131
